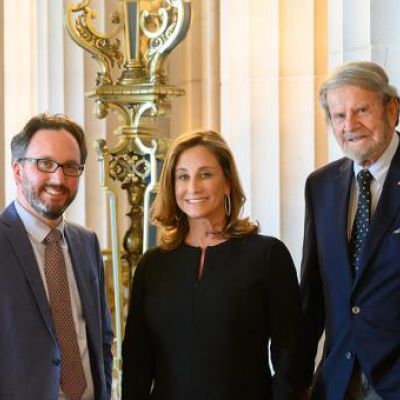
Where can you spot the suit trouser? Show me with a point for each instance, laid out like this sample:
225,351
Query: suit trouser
359,387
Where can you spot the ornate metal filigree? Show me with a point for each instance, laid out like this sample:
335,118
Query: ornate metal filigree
129,168
104,48
140,95
165,29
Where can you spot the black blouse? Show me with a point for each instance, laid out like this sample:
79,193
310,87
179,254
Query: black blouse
208,339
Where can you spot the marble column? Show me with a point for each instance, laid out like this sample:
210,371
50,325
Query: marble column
272,55
302,135
195,66
364,30
20,84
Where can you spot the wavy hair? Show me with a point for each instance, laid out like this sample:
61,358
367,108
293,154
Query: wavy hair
165,211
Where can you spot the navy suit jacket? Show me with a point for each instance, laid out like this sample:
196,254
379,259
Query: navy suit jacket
370,333
29,354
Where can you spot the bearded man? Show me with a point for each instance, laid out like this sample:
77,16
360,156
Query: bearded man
55,336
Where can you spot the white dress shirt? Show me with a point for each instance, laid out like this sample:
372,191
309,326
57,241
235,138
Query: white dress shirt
37,231
379,171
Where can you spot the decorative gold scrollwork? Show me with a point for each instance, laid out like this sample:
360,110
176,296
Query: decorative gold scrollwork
108,47
103,47
165,29
119,169
140,95
129,168
150,18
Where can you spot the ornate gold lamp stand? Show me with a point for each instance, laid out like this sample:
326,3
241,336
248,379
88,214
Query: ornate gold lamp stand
150,30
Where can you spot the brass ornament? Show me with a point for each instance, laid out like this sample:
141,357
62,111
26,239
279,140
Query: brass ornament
146,32
104,48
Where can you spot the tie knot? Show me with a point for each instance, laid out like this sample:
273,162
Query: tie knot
54,237
364,178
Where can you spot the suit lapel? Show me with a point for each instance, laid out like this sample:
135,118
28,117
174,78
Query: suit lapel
340,197
387,209
84,278
19,240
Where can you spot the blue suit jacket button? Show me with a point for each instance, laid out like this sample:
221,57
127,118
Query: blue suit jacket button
355,310
56,361
348,355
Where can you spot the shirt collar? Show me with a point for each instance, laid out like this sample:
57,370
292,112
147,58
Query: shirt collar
34,226
380,168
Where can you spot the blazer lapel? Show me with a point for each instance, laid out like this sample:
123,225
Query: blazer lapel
19,240
387,209
84,278
340,202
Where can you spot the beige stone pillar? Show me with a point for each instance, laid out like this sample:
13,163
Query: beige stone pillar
19,77
272,55
250,102
303,139
194,66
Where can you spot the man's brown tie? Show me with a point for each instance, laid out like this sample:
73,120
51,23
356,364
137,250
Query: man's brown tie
73,381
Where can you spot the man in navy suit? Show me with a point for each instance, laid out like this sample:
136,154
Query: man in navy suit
351,254
48,158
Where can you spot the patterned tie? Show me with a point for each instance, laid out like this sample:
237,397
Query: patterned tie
362,220
73,381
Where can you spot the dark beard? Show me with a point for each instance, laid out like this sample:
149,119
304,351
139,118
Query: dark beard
41,208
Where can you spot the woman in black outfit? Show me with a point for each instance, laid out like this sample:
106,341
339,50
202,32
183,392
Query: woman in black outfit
208,301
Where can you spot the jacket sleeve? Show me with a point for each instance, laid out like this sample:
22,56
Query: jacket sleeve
285,319
311,285
137,352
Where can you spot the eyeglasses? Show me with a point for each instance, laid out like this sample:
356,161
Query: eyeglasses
50,166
